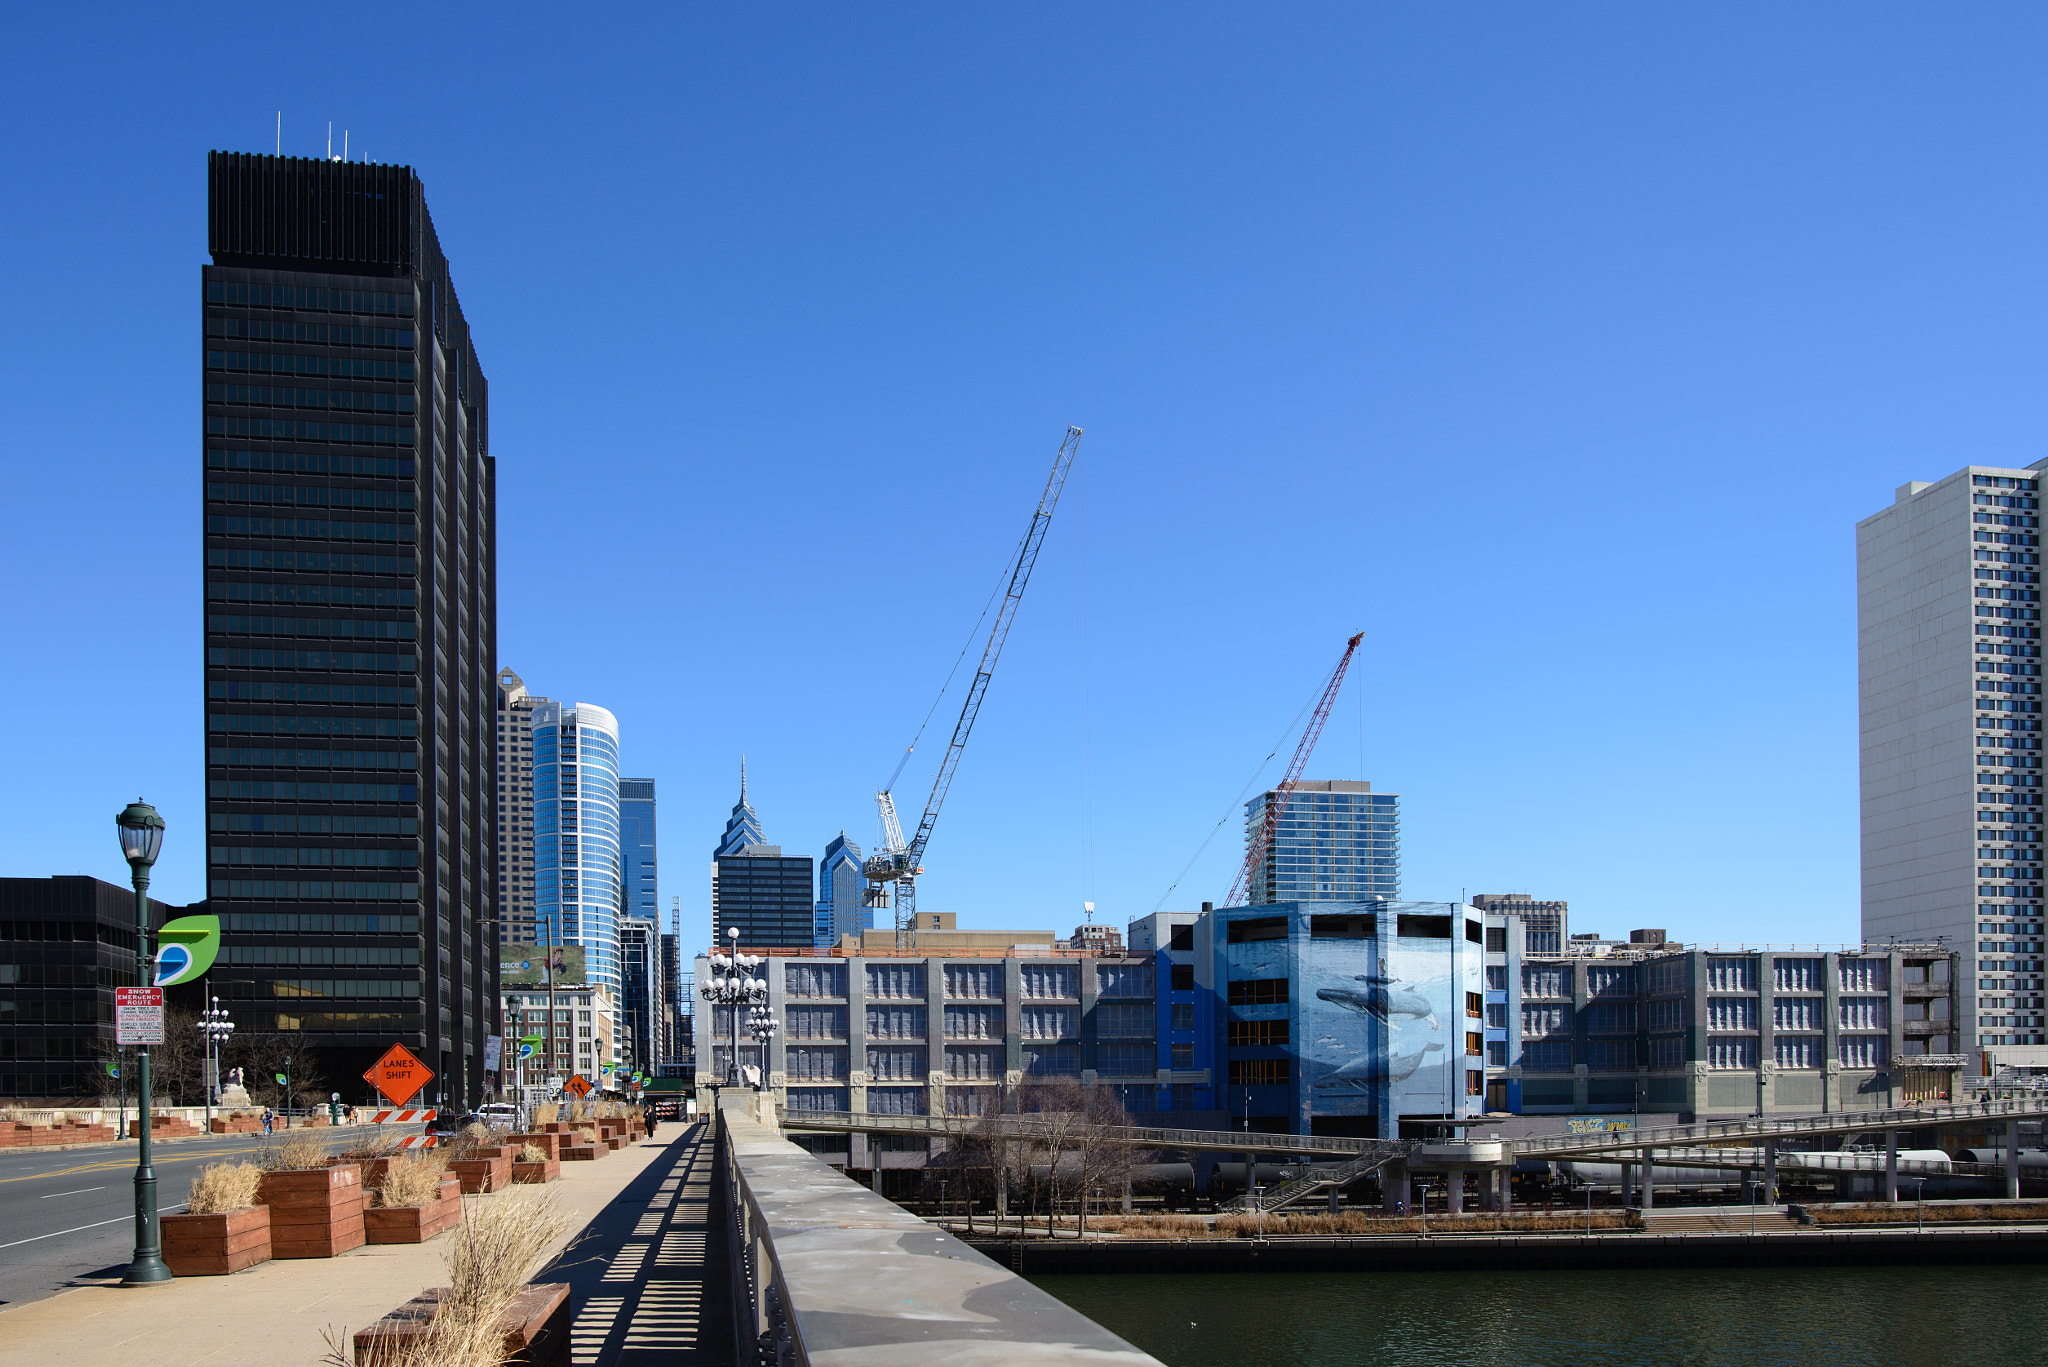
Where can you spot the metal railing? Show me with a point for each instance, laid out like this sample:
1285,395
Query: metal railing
1028,1126
1736,1131
1315,1180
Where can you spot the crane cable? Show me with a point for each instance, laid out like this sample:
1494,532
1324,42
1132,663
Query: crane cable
973,635
1238,801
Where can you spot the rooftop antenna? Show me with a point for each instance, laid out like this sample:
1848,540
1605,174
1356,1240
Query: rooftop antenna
280,132
1088,909
344,144
330,139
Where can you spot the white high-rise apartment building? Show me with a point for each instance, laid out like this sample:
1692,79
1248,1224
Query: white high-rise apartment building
515,809
1949,664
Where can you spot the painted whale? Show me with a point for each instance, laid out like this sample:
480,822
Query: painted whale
1383,998
1368,1070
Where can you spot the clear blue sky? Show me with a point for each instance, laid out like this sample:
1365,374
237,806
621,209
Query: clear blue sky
1558,348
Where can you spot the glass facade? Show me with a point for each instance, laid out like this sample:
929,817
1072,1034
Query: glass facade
1338,841
839,894
350,619
636,848
579,888
754,888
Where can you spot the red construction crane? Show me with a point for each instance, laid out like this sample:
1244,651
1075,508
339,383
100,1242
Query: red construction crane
1269,823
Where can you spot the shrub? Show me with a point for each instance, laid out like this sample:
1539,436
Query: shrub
547,1113
532,1153
412,1179
476,1132
222,1187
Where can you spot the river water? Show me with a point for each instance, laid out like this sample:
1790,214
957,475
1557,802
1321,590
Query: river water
1826,1317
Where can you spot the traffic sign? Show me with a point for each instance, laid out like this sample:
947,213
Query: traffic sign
138,1015
579,1085
399,1075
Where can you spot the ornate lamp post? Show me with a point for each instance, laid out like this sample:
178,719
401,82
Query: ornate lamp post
215,1026
761,1025
733,986
142,836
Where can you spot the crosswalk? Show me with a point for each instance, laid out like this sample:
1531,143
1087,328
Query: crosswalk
660,1295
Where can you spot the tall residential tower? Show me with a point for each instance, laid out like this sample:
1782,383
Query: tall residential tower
351,621
578,881
1948,589
515,809
1338,841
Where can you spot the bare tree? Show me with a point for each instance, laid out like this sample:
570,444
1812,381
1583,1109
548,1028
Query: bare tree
262,1056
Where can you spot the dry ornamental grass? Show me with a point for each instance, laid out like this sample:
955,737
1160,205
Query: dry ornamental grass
546,1114
412,1179
222,1187
1905,1213
1248,1226
496,1249
532,1153
295,1151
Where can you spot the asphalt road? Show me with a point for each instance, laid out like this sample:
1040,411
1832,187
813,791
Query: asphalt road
68,1216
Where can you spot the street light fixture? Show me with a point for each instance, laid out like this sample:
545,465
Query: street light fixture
216,1027
142,836
732,985
761,1025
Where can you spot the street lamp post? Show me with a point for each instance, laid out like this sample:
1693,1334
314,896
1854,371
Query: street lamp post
215,1026
142,836
761,1025
733,986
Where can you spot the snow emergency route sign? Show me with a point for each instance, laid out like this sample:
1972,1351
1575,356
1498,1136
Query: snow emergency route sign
399,1075
138,1015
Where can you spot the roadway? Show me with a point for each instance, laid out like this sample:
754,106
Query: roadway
68,1215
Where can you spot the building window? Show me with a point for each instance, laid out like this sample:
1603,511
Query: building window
1475,1043
1258,1034
1497,1016
1184,1016
1725,1053
1183,1057
1259,1072
1258,992
1496,1053
1182,978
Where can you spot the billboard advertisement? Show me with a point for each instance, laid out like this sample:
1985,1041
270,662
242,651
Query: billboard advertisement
527,965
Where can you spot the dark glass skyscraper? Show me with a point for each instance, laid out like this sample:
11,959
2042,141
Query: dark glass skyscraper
754,887
351,621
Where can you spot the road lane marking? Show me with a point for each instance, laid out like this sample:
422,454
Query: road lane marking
80,1192
76,1229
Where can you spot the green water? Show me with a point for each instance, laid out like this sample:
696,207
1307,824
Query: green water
1830,1317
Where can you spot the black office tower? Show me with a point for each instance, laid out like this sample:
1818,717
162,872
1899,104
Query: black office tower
351,623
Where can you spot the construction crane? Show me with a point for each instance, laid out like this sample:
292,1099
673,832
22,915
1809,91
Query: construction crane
898,863
1261,844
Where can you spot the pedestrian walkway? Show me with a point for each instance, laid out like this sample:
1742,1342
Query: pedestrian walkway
280,1311
648,1277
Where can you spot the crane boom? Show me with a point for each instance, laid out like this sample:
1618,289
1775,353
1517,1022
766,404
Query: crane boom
900,864
1269,823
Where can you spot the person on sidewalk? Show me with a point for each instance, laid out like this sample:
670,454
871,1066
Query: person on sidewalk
268,1116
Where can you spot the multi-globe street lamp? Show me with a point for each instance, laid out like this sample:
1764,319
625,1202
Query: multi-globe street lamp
761,1025
215,1026
732,985
142,837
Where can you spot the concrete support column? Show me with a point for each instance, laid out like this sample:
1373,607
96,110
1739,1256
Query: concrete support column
1489,1190
2012,1160
1336,1200
1454,1188
1649,1181
1891,1165
1770,1172
1507,1189
1393,1186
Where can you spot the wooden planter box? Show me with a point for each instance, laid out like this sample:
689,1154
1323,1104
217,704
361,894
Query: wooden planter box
548,1140
415,1224
215,1245
536,1328
581,1153
314,1214
536,1174
484,1174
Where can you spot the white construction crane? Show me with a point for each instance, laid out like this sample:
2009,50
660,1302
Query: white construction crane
898,863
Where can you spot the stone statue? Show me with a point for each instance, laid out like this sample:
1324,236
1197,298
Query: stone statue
234,1094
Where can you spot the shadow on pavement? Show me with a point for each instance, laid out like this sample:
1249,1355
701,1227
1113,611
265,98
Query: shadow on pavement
647,1276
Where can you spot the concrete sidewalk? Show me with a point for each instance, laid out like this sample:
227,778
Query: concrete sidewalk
276,1313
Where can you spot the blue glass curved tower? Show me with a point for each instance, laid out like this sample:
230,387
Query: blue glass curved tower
578,880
